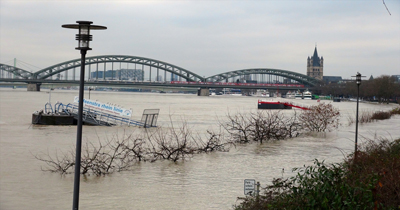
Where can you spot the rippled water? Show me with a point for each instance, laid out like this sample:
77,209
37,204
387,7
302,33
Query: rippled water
207,181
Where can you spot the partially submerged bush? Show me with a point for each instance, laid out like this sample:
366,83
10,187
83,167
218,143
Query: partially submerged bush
269,125
261,126
320,118
381,115
395,111
366,116
121,152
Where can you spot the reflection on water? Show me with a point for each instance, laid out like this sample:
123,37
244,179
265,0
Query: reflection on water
206,181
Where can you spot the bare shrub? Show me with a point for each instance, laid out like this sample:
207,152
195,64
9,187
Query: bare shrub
215,142
238,127
261,126
172,144
120,152
291,126
320,118
350,120
57,163
272,125
381,115
365,117
134,149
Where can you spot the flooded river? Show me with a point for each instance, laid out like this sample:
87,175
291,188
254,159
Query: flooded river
206,181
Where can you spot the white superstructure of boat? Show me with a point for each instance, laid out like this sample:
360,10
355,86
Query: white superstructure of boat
290,95
298,95
307,95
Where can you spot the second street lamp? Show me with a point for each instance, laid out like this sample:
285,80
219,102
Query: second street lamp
358,82
83,38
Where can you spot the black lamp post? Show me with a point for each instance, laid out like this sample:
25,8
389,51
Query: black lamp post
358,82
83,38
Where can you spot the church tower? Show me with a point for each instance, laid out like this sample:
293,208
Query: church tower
315,66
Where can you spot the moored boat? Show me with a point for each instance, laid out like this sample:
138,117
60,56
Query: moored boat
307,95
290,95
298,95
261,93
262,104
235,92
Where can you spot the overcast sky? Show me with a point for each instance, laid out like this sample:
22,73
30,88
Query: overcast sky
211,37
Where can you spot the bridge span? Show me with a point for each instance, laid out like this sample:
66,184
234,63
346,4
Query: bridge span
123,70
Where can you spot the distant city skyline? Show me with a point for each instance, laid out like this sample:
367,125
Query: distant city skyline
211,37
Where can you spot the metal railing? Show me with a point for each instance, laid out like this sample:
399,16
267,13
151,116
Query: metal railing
97,117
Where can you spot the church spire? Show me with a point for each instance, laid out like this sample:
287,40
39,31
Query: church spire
315,52
315,57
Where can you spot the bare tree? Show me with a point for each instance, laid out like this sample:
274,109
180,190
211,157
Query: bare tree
385,87
320,118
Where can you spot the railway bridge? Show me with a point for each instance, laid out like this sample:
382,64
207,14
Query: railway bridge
128,71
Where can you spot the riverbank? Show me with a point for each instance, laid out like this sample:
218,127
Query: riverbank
368,181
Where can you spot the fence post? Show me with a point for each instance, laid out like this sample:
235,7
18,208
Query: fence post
258,191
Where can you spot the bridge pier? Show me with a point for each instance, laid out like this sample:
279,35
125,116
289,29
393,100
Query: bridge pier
203,92
33,87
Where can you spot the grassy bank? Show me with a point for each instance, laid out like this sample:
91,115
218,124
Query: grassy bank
372,181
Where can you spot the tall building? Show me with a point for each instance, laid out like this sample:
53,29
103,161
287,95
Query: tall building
315,66
121,74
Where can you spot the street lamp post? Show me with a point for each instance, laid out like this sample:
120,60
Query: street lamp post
358,82
83,38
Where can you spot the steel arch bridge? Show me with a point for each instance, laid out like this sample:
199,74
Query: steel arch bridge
61,67
47,73
301,78
17,72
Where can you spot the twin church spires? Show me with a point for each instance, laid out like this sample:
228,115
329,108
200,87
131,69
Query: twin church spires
315,66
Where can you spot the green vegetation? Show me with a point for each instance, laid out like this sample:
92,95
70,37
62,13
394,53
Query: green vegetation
372,181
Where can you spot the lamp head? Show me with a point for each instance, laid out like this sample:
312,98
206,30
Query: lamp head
358,78
83,35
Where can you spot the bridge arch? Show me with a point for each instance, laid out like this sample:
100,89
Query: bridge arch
17,72
301,78
65,66
182,73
